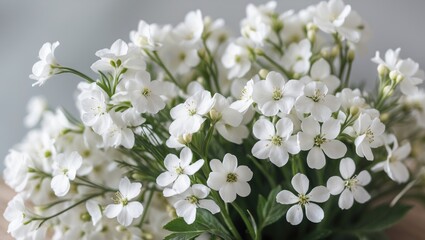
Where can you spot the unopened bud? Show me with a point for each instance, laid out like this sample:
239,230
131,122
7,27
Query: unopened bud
325,52
215,115
354,110
382,70
185,139
399,78
351,55
311,35
335,51
201,80
137,176
259,51
388,91
384,117
263,73
296,76
311,27
393,75
85,217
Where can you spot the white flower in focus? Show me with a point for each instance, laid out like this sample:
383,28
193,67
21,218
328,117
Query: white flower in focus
243,93
275,143
35,108
297,57
95,211
190,31
351,187
118,132
274,94
65,168
189,116
228,120
124,209
336,17
394,165
391,58
179,141
408,71
320,140
368,133
178,172
313,211
44,69
179,58
229,179
237,59
149,36
317,101
144,94
321,72
194,198
350,98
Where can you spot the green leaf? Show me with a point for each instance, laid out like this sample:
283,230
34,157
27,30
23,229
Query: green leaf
269,210
205,222
381,218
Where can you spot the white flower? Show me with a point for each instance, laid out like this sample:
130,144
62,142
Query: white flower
144,94
149,36
229,179
65,168
95,211
313,212
297,57
17,214
320,140
394,166
16,173
336,17
243,90
118,132
228,120
188,116
317,101
237,59
193,198
321,72
93,107
190,31
178,172
274,94
391,58
35,108
352,187
407,71
368,133
124,209
255,29
44,69
351,98
179,58
275,143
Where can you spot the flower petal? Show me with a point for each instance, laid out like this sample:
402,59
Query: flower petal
361,195
210,205
228,193
300,183
347,168
334,149
319,194
230,162
315,158
286,197
314,213
335,185
263,129
112,210
346,199
295,215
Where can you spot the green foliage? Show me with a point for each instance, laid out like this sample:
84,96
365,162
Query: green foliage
268,210
205,222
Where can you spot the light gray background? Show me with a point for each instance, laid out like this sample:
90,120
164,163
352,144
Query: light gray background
84,26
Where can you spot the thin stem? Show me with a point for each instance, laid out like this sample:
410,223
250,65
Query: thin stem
245,220
75,72
212,66
224,211
274,63
148,203
155,57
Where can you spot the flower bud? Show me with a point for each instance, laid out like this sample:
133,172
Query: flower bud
354,110
263,73
85,217
311,35
382,70
350,55
215,115
387,91
399,78
259,51
185,138
335,51
393,75
384,117
325,52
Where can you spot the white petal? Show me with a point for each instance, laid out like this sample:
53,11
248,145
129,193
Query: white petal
185,157
244,173
216,165
331,128
263,129
346,199
242,189
286,197
361,195
228,193
347,168
284,127
182,183
112,210
334,149
320,70
261,149
304,104
295,215
166,178
200,191
398,172
171,162
230,162
279,156
364,178
129,190
124,217
319,194
210,205
135,209
335,185
314,213
60,185
300,183
305,140
310,126
193,168
315,158
94,210
216,180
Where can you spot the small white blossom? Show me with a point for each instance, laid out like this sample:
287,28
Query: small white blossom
321,72
313,211
118,133
44,69
144,94
297,57
391,58
317,101
237,59
189,116
124,209
16,172
190,31
149,36
178,172
320,140
95,211
17,214
368,133
274,94
65,168
407,71
394,165
275,142
229,179
243,90
193,198
351,187
179,58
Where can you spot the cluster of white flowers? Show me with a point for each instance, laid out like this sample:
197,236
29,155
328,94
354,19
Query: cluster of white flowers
185,119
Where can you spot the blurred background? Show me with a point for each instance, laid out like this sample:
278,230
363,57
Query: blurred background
83,27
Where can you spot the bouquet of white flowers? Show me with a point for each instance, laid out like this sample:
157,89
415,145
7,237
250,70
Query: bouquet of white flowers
188,133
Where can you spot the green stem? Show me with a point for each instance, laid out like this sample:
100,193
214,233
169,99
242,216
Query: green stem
212,66
245,220
274,63
155,57
75,72
148,203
